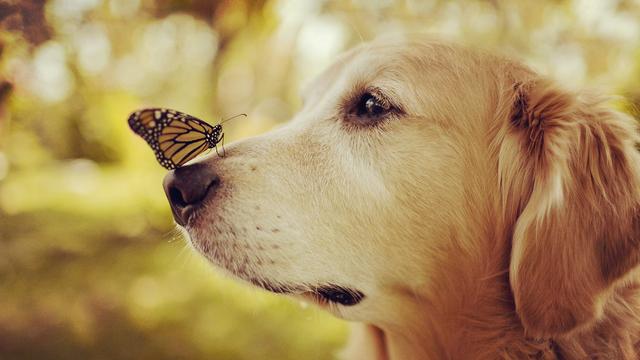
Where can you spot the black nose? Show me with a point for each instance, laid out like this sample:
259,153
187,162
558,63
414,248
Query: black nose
187,187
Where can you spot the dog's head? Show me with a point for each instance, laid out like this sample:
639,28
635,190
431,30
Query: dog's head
407,154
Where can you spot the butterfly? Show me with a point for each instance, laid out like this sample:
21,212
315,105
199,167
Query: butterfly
176,137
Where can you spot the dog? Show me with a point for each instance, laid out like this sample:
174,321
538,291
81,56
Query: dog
453,203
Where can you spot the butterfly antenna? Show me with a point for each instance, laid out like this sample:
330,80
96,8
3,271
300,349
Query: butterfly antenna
231,118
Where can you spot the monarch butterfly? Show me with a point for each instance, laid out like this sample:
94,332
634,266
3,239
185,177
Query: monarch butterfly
176,137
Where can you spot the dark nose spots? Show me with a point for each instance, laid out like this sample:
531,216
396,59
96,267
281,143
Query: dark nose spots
187,187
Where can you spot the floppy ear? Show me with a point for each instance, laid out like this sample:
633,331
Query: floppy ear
569,173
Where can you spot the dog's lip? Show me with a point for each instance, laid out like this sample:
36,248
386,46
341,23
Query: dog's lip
321,294
339,294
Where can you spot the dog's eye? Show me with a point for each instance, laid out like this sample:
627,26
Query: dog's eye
372,106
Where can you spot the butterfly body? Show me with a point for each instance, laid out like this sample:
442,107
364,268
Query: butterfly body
174,137
215,136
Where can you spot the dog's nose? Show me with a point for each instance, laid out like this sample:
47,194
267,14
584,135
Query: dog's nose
187,186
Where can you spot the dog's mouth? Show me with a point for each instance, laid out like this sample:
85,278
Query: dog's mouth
323,294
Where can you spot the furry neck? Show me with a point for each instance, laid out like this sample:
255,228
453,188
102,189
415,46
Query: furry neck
472,316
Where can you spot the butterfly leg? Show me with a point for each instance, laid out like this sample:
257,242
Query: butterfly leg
222,146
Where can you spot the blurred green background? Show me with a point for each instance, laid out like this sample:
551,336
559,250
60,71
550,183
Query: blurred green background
91,266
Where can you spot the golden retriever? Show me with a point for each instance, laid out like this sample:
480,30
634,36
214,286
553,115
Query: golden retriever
456,204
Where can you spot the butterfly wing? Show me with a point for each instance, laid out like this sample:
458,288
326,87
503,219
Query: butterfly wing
174,137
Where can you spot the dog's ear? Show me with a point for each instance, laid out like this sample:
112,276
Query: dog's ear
569,174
